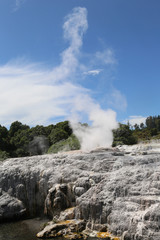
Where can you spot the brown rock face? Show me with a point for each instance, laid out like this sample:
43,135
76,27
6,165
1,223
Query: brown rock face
59,198
70,229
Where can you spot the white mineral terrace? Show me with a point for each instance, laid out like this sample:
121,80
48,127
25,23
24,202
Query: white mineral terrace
115,190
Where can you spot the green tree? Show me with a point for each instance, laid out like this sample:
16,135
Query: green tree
123,135
60,131
57,135
157,122
136,126
38,130
19,142
16,126
64,126
49,129
3,155
71,143
154,131
142,126
142,135
4,140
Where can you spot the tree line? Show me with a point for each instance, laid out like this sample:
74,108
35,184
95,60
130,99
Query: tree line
128,134
21,140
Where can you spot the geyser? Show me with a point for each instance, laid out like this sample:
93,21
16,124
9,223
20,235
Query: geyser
99,134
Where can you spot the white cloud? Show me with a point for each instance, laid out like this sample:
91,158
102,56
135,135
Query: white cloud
32,94
28,95
117,100
93,72
135,120
106,57
74,28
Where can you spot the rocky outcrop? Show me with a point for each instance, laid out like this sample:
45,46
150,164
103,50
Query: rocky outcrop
10,207
116,191
70,229
59,198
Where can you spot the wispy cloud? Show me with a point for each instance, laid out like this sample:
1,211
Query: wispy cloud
93,72
74,28
106,57
18,4
28,95
117,100
35,95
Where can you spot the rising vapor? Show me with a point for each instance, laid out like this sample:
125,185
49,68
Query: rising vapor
99,133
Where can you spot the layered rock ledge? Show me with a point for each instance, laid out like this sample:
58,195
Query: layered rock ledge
113,191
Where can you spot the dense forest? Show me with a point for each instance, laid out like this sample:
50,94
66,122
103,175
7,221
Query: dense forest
21,140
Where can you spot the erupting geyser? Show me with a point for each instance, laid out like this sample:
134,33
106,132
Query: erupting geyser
99,134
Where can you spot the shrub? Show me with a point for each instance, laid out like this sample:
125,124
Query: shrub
3,155
72,143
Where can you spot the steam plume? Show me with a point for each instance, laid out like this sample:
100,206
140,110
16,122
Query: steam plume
99,134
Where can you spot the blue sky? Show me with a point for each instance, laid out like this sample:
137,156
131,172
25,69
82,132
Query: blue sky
49,72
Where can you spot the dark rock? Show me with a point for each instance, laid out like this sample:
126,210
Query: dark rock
79,191
58,199
10,208
63,188
68,229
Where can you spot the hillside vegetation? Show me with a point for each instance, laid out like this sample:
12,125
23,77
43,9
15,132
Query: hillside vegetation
21,140
128,134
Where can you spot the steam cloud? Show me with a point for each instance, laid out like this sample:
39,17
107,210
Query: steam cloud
35,95
99,133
